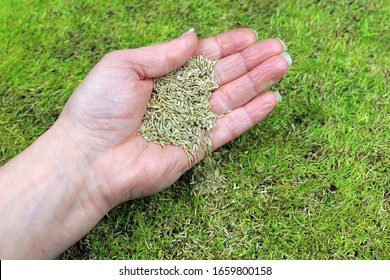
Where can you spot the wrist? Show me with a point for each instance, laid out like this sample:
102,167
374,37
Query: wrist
50,197
74,161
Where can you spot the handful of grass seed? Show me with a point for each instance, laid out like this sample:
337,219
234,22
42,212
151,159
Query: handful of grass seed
178,111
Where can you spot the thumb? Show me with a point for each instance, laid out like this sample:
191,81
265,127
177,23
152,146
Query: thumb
158,60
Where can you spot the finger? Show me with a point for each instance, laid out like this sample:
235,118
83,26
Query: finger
240,91
227,43
241,119
233,66
158,60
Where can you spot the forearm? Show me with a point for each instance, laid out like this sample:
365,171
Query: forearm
49,198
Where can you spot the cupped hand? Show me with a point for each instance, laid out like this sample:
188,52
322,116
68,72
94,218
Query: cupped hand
106,110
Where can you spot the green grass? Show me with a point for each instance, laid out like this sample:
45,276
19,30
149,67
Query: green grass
309,182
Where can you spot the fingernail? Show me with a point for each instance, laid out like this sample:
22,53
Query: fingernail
287,57
187,32
254,31
283,44
278,96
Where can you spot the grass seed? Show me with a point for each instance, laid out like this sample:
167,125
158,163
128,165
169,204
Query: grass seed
178,112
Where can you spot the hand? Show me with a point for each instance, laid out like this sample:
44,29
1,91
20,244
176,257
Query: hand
105,112
91,159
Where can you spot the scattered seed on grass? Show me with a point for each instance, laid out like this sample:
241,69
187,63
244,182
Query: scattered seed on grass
178,112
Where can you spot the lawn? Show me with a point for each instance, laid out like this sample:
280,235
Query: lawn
309,182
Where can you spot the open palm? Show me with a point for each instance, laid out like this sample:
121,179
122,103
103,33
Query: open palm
106,110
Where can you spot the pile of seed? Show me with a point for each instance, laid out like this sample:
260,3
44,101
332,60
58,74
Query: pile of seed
178,112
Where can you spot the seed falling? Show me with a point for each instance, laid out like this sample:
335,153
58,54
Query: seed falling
178,112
